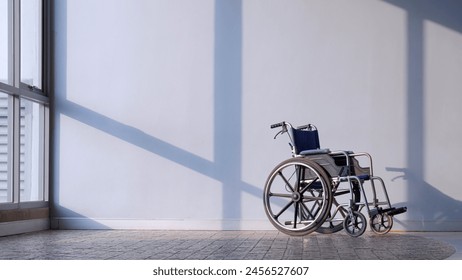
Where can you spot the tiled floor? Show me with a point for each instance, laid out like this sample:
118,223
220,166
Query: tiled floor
236,245
452,238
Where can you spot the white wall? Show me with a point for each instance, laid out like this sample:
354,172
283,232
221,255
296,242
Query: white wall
162,108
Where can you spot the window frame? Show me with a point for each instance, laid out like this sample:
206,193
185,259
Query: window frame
17,91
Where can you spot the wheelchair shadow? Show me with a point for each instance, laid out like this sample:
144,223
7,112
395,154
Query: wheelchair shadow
426,203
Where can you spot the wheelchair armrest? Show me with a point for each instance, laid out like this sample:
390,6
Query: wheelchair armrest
349,162
369,158
314,152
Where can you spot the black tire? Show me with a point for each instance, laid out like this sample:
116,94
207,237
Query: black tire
381,223
297,196
355,224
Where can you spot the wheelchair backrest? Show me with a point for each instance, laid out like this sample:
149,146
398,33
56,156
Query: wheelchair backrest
305,139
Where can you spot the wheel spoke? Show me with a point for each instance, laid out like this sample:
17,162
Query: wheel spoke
283,209
352,228
305,214
296,214
280,195
300,176
286,181
342,211
316,208
318,202
314,198
307,211
317,199
309,185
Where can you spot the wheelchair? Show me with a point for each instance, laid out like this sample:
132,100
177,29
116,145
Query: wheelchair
324,191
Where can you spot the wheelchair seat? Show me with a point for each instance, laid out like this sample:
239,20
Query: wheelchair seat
307,144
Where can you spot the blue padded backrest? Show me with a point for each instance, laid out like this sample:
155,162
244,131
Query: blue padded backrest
305,140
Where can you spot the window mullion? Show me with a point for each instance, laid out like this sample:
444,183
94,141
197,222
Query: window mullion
46,161
16,43
15,130
10,42
10,157
46,46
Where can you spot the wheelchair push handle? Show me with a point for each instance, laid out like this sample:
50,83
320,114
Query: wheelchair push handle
309,127
284,125
280,124
276,125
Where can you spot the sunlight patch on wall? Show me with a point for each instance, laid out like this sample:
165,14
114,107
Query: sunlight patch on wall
148,65
443,88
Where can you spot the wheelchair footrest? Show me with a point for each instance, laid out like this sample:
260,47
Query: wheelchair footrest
396,211
392,211
342,192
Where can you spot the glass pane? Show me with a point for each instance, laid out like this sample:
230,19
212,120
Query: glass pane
5,188
31,151
5,43
31,42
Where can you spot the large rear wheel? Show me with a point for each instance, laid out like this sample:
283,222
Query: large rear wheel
297,196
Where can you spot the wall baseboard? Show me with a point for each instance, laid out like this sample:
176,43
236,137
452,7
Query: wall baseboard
24,226
87,223
134,224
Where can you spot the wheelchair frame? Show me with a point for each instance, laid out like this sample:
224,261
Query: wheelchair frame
307,192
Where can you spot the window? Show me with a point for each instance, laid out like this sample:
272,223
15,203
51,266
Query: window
5,42
31,170
31,43
23,107
5,188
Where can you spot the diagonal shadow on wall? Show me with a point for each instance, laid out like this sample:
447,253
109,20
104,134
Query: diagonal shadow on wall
226,164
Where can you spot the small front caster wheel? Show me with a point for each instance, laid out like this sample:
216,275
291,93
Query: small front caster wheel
355,224
381,223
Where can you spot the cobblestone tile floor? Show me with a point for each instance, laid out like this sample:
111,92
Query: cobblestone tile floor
217,245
